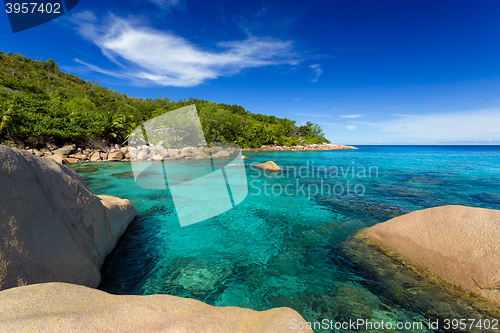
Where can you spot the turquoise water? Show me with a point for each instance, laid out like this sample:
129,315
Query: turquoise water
289,248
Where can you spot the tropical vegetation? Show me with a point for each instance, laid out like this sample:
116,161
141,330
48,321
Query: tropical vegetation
40,104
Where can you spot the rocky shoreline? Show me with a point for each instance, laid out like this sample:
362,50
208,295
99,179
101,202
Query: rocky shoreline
71,154
315,146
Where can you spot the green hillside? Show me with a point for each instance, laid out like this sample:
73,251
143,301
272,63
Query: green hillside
40,104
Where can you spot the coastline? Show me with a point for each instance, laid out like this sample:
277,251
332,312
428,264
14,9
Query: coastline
319,146
71,154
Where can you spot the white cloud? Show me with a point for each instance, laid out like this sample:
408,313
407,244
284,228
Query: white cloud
317,70
394,107
350,116
471,125
166,4
150,56
351,127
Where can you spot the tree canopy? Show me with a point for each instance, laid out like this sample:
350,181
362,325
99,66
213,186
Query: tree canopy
41,104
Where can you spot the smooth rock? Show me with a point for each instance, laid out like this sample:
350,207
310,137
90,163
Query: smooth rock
221,153
115,155
133,152
157,158
95,157
62,307
460,245
142,155
58,158
196,151
269,166
82,157
72,160
162,151
53,229
64,152
70,146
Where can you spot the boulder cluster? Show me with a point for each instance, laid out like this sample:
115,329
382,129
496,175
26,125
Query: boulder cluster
315,146
70,153
159,153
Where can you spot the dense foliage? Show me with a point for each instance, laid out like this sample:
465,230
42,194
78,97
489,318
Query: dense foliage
40,104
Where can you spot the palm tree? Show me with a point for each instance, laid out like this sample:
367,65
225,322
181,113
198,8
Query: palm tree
5,112
112,124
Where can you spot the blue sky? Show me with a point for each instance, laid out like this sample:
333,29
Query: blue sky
388,72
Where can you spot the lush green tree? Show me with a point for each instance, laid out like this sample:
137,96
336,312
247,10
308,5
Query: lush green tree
39,101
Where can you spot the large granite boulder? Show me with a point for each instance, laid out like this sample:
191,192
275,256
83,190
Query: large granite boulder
61,307
460,245
52,228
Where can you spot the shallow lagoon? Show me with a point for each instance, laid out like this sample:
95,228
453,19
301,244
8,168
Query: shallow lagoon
288,248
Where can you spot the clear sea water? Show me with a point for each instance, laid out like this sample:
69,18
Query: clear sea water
294,248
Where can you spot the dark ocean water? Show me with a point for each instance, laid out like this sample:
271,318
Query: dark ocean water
285,244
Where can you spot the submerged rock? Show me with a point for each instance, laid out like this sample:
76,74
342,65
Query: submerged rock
53,228
61,307
400,286
460,245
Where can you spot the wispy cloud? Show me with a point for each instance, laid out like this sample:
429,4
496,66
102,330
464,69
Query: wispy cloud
317,71
481,101
351,127
166,4
477,125
394,107
154,57
350,116
334,109
371,110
